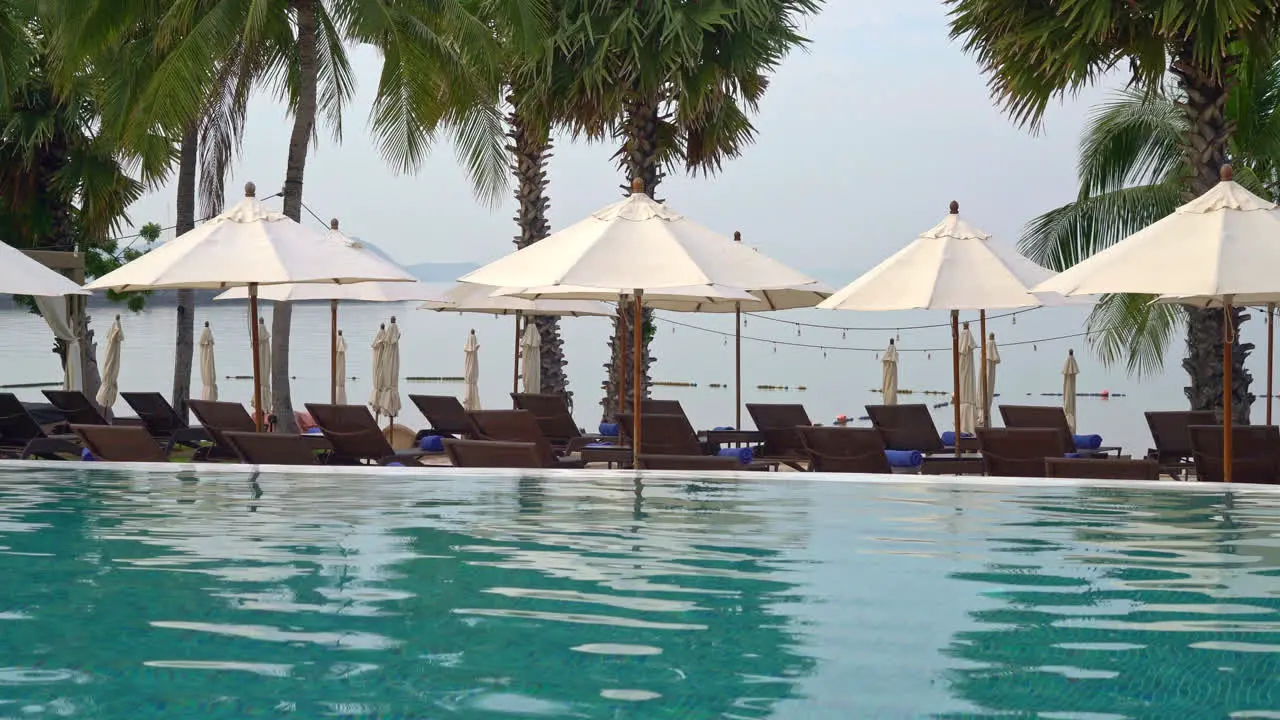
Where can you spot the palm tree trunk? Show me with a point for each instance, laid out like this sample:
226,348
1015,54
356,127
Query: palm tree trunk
530,150
304,121
184,345
639,158
1204,107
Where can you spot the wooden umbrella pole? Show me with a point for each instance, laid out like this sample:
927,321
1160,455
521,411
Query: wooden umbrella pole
515,363
955,374
253,341
333,352
737,366
982,370
635,378
620,360
1226,389
1271,342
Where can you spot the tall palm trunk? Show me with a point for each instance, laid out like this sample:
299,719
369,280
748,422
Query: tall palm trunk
1204,107
530,150
639,156
184,345
304,121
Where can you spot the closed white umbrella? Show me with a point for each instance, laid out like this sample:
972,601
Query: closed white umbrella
993,359
379,347
531,359
389,373
968,391
111,367
263,369
889,381
471,373
340,371
1069,372
208,371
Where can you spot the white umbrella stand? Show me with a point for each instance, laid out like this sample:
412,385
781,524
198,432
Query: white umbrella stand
110,387
531,358
889,376
208,371
339,394
1069,372
989,379
471,373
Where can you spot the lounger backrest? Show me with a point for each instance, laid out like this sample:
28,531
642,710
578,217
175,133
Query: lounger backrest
696,463
662,407
351,430
219,417
444,413
76,407
778,423
159,417
845,450
1101,469
552,414
1254,451
121,443
493,454
1018,452
255,448
513,426
1051,417
1169,430
661,434
17,427
906,427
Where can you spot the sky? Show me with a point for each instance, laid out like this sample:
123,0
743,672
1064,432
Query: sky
863,140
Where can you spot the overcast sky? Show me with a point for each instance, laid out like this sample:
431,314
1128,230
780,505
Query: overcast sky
863,140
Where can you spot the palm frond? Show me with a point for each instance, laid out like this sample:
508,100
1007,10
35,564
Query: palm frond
1066,235
1135,138
1133,330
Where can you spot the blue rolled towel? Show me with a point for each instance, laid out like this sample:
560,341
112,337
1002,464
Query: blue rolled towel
609,429
1073,455
313,431
722,428
949,438
86,455
602,445
1087,442
431,443
393,463
904,458
744,454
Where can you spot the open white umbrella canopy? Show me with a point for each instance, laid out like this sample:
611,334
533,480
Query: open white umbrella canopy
471,373
531,359
889,379
340,374
1069,372
993,361
471,298
107,392
968,394
208,369
20,275
263,369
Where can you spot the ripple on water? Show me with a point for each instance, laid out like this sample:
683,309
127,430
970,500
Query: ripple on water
348,640
617,649
264,669
629,695
40,676
579,618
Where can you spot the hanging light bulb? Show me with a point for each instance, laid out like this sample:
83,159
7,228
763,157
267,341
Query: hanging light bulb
775,348
797,331
1035,348
844,335
928,356
1015,318
897,336
824,352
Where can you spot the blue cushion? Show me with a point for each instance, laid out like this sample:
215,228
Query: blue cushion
1087,442
609,429
1073,455
431,443
744,454
949,438
393,463
86,455
904,458
314,431
602,445
722,428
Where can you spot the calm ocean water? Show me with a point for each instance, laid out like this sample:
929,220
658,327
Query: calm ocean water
835,381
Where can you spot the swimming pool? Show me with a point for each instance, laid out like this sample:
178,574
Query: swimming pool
161,593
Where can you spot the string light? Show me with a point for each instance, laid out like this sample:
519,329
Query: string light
845,329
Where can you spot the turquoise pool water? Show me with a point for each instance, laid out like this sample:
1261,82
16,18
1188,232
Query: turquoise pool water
139,595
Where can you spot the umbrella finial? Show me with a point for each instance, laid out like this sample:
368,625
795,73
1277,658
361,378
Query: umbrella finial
250,190
333,224
206,323
1070,351
890,341
955,208
339,333
393,319
737,236
637,186
1225,173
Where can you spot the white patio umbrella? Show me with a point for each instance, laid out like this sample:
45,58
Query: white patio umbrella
953,266
340,372
262,364
636,248
249,245
379,348
471,373
1218,250
381,292
968,389
1069,372
387,373
111,367
989,386
889,382
531,359
208,371
21,275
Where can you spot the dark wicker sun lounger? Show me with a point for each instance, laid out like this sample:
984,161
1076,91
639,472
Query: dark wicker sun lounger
519,426
1101,469
76,407
1255,450
778,422
161,420
555,419
662,407
355,436
22,436
907,427
845,450
1018,452
219,418
695,463
122,443
255,448
494,454
1172,440
445,415
1047,416
673,435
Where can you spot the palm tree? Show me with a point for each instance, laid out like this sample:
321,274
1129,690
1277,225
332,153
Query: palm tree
1035,51
672,82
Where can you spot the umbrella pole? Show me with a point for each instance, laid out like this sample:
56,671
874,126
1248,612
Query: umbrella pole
982,330
253,341
619,360
1226,389
1271,344
333,352
955,374
515,365
635,381
737,365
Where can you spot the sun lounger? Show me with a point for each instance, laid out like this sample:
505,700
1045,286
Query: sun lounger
557,423
445,416
1254,453
519,426
122,443
1018,452
219,418
1172,440
76,407
355,436
778,423
1101,469
695,463
662,407
907,427
494,454
255,448
673,435
1054,418
22,436
162,421
845,450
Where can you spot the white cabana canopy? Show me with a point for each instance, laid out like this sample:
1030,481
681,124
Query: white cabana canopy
21,275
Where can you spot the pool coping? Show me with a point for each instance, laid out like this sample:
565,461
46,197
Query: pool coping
444,472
